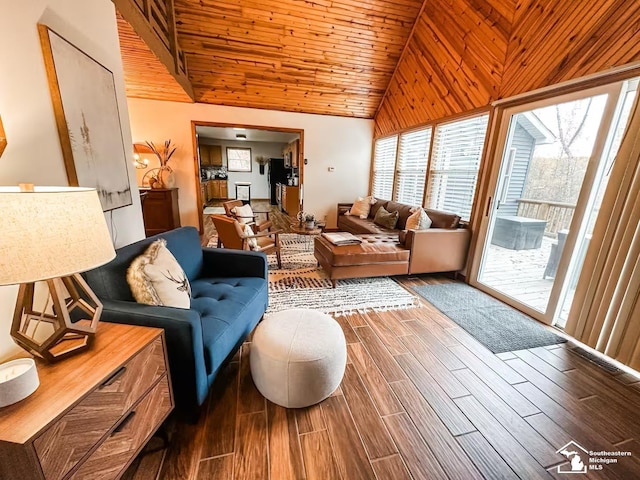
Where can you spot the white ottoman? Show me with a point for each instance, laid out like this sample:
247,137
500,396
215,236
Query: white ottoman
298,357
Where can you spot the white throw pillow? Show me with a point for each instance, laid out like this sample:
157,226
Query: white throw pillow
244,214
361,207
418,220
253,242
156,278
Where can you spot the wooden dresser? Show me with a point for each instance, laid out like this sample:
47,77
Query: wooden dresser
159,210
93,412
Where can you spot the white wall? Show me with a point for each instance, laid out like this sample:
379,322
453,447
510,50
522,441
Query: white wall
343,143
33,153
259,183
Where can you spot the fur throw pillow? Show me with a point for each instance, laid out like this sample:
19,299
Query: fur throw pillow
156,278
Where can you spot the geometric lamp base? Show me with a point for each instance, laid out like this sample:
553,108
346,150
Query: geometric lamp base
65,329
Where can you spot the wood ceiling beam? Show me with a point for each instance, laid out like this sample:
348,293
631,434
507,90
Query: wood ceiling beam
140,20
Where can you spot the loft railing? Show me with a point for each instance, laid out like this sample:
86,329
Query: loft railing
557,214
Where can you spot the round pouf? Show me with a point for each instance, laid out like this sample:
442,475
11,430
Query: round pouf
298,357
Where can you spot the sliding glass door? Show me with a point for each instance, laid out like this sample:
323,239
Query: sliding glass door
547,187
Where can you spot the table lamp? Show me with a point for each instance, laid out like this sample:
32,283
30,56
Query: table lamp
50,235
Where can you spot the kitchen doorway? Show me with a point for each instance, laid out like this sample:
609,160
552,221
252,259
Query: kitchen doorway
263,166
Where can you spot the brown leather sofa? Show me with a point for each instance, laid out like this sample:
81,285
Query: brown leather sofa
441,248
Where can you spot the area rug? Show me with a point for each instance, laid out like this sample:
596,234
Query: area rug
497,326
300,283
214,211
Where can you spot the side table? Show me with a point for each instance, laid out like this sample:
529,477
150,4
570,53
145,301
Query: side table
93,412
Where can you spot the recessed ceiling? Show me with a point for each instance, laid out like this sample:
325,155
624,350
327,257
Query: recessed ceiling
252,134
304,56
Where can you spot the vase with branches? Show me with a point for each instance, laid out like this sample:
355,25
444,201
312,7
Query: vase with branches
164,154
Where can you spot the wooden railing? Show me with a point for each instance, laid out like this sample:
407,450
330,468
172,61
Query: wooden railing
557,214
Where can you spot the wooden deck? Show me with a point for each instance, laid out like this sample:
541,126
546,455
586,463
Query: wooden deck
519,273
420,399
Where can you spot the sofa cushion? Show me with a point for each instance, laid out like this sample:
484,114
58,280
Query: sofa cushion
442,219
361,207
376,206
386,219
404,212
225,305
357,226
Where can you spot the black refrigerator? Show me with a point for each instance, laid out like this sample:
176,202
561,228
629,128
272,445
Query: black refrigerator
277,174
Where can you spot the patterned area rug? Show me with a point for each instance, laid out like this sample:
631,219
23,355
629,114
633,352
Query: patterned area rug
300,283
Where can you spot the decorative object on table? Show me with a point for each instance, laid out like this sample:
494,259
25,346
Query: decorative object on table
310,221
298,357
497,326
52,234
18,380
3,138
262,161
300,217
165,173
86,110
138,150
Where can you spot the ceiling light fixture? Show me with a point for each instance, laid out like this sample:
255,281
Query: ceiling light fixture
239,129
241,136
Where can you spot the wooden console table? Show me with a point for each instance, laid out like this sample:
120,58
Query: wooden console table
93,412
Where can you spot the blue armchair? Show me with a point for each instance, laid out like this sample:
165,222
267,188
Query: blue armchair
229,295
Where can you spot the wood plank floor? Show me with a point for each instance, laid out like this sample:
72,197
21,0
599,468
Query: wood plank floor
420,399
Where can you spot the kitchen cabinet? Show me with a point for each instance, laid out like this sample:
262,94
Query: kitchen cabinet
291,200
210,156
291,154
217,189
160,210
203,193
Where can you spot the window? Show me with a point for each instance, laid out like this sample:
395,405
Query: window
457,151
238,159
413,156
384,161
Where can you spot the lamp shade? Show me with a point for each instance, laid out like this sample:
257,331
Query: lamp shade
51,232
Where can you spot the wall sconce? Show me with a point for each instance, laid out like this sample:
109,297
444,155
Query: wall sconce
141,149
3,138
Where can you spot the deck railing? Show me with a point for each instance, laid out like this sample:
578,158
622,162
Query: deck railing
557,214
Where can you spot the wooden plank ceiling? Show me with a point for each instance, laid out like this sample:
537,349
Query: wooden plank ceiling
315,56
144,75
464,54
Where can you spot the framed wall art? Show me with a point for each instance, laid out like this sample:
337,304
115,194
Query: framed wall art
86,109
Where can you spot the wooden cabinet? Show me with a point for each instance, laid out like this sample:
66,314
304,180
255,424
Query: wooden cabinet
291,200
217,189
203,193
291,154
210,155
160,210
93,412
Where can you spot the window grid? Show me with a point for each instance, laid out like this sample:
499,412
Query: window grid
413,156
384,161
457,152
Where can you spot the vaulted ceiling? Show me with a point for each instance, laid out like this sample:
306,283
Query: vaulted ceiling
404,62
316,56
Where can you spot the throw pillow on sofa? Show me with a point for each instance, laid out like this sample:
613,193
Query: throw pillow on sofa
418,220
252,242
361,207
156,278
386,219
